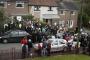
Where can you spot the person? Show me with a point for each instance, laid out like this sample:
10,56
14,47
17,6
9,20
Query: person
48,49
83,43
24,48
39,49
44,46
30,45
88,39
24,41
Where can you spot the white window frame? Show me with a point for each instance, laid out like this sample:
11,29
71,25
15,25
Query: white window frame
72,13
50,8
70,23
19,2
62,13
5,4
36,8
62,22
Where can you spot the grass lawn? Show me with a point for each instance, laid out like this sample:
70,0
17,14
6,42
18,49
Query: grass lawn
62,57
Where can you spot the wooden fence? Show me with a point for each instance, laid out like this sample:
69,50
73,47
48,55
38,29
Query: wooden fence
10,54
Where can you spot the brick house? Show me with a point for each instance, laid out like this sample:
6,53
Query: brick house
15,7
62,12
68,13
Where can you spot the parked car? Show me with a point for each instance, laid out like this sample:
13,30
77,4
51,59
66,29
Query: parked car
13,36
56,44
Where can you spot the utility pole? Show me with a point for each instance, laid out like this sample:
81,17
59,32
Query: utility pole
80,25
81,16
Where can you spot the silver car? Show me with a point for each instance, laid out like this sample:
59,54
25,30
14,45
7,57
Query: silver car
56,44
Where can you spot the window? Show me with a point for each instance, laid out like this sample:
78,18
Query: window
3,4
19,4
36,8
14,34
62,12
61,23
60,42
55,42
70,23
72,13
50,9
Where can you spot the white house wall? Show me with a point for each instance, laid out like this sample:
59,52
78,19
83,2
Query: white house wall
44,10
32,10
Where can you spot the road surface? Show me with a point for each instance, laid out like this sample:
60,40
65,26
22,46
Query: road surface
10,46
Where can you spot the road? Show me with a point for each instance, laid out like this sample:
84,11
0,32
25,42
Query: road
10,46
10,51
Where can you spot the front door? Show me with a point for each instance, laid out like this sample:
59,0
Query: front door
49,21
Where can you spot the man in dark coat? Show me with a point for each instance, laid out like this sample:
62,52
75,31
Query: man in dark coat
48,49
88,39
44,46
83,43
30,45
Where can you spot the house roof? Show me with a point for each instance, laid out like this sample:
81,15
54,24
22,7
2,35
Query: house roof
68,6
2,0
44,2
14,0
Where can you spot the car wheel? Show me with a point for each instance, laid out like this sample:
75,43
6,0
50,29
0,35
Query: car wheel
5,41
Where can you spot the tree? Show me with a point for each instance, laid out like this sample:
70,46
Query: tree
84,13
2,18
27,17
85,19
87,7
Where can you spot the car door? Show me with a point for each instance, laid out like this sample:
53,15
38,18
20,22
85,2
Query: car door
54,45
61,44
14,36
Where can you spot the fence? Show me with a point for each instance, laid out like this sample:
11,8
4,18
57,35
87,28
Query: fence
15,54
10,54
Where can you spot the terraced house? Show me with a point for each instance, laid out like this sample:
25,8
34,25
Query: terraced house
62,12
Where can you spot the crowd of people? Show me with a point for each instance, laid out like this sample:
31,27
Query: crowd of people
28,47
39,34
